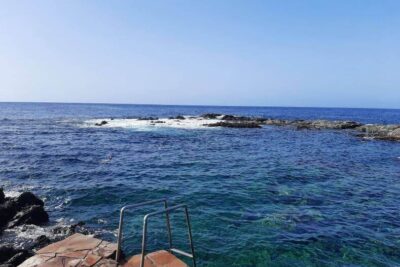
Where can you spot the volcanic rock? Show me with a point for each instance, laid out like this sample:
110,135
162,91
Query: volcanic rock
30,215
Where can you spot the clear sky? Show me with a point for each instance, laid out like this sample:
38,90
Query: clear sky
342,53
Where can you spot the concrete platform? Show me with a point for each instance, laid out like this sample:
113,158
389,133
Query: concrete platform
85,251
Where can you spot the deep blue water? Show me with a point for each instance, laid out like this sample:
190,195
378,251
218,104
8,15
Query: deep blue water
258,197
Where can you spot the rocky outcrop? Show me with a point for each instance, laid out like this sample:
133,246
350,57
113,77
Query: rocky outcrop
368,131
210,115
238,124
101,123
179,117
24,209
10,256
29,215
2,196
380,132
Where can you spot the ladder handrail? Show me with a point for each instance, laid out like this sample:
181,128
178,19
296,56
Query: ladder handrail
136,206
167,210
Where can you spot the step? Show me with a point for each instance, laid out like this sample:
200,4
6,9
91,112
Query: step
161,258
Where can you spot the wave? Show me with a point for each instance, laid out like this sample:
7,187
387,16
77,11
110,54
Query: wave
189,122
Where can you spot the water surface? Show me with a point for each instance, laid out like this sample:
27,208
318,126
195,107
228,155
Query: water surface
258,197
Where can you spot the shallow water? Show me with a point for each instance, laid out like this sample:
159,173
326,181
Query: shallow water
258,197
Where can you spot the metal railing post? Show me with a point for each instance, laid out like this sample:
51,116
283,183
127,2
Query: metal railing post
190,235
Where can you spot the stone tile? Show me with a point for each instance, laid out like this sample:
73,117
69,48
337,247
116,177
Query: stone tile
165,259
59,261
160,258
74,242
33,261
91,259
80,254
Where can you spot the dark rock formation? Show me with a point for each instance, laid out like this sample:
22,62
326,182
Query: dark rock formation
2,196
239,124
380,132
28,199
29,215
24,209
210,115
7,212
101,123
179,117
10,256
41,242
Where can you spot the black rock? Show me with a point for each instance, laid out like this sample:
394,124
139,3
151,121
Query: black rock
31,215
179,117
10,256
41,242
28,199
2,196
19,258
7,212
7,253
210,115
101,123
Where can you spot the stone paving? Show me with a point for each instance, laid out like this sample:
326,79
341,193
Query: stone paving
85,251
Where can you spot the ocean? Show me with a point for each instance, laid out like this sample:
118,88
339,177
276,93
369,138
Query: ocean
274,196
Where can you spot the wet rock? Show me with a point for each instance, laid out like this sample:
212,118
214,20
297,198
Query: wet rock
276,122
67,230
19,258
179,117
380,132
237,118
30,215
28,199
7,212
241,124
41,242
2,196
158,121
101,123
10,256
210,115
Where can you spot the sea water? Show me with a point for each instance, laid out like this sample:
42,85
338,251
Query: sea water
274,196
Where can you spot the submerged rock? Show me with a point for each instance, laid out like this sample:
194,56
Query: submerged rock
101,123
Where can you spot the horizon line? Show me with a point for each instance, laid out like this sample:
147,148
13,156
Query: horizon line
188,105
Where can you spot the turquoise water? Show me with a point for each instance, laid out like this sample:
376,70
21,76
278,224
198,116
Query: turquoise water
258,197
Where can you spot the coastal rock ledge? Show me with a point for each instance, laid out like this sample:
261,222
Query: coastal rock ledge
24,209
366,131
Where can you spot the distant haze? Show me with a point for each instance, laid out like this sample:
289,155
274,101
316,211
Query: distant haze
253,53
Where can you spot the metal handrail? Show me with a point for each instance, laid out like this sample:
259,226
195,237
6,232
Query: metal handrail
167,210
136,206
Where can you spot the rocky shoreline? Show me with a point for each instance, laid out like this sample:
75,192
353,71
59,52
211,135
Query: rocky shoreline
24,211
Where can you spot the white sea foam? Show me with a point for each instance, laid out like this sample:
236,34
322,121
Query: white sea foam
188,123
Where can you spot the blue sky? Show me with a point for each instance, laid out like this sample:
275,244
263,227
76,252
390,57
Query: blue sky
256,53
